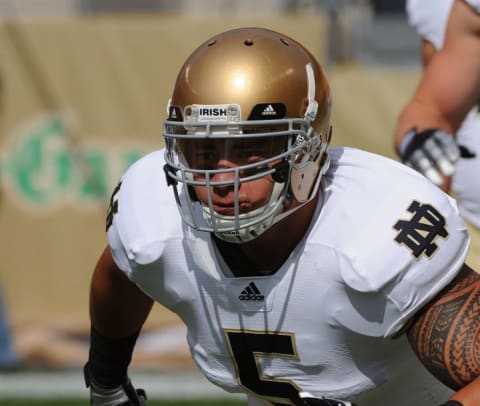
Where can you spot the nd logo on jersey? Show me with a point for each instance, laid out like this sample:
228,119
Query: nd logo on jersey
420,232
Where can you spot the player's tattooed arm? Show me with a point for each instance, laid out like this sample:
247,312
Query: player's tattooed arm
445,334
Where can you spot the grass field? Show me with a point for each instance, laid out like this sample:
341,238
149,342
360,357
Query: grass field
67,388
82,402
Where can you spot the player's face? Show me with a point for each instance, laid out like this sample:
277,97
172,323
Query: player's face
245,157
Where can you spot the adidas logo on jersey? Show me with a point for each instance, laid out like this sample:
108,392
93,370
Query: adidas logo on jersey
269,111
251,292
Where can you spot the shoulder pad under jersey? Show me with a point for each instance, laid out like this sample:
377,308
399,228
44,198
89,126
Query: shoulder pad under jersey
398,236
143,214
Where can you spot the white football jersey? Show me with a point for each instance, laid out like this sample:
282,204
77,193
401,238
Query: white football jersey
465,181
383,242
475,4
429,18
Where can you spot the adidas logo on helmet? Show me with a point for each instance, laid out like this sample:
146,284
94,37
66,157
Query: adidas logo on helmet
269,111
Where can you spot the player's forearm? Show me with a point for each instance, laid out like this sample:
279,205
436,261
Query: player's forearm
450,84
447,90
118,308
419,115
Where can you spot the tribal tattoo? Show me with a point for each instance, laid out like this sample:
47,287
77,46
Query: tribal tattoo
446,334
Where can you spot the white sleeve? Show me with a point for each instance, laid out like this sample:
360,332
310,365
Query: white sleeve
386,284
117,249
145,215
475,4
429,19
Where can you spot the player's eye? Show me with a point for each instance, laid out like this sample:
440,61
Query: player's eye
205,159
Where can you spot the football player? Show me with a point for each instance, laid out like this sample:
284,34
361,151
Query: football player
447,91
305,274
429,18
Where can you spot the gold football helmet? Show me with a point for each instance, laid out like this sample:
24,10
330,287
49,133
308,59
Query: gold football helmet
241,89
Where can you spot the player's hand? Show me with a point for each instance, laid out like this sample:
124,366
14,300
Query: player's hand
433,153
122,395
309,400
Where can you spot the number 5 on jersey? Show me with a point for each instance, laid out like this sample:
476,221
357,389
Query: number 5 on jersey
246,346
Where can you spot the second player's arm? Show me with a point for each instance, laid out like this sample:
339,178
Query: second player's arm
450,84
